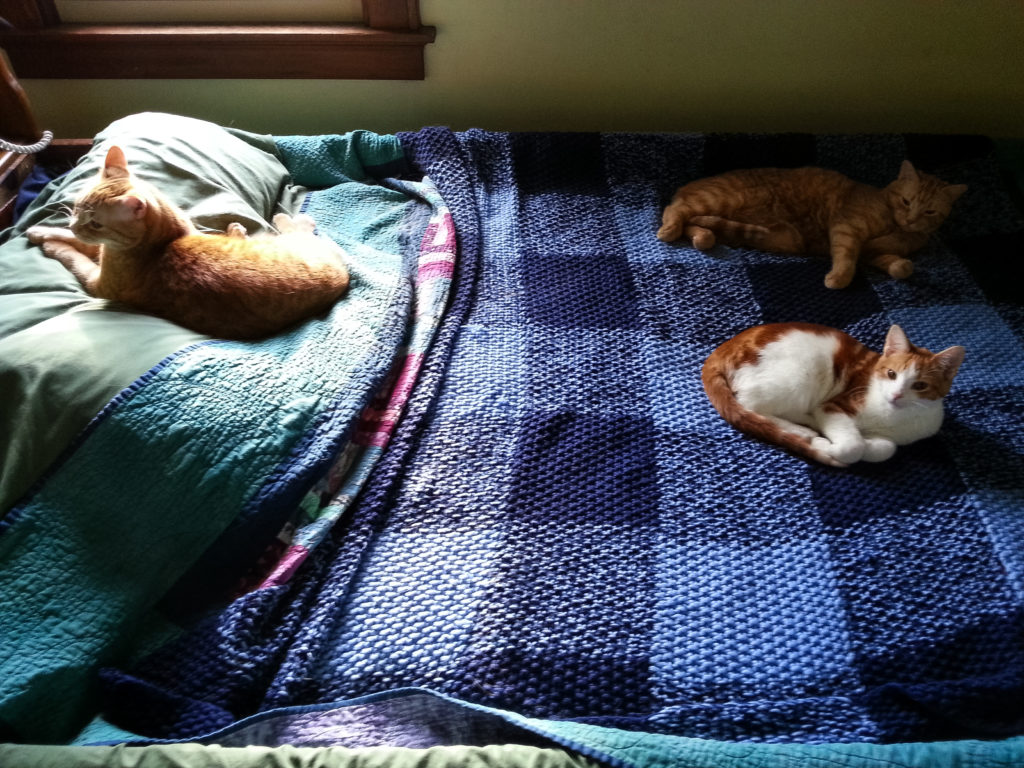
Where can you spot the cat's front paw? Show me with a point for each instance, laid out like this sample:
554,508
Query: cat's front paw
39,234
839,278
236,230
848,451
878,449
821,449
35,234
670,232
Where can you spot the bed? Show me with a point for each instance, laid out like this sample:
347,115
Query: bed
481,512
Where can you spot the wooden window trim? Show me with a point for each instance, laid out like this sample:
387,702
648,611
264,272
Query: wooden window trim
388,45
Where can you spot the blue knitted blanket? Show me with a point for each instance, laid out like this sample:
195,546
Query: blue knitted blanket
564,529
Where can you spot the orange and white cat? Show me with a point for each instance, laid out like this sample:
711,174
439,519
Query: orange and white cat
128,243
823,395
814,211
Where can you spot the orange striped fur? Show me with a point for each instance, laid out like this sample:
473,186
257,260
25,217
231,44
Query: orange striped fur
813,211
128,243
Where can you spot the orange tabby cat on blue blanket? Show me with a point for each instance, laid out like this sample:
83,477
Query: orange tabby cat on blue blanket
128,243
823,395
814,211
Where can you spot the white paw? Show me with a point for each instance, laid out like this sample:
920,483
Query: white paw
878,449
236,230
52,249
39,234
303,222
823,448
846,451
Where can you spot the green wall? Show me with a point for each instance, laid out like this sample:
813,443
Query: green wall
636,65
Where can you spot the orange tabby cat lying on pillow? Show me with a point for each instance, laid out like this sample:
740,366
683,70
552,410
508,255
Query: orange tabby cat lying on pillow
128,243
814,211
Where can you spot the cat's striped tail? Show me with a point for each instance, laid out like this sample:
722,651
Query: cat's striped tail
719,392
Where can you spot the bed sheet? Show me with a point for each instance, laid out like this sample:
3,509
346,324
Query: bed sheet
201,756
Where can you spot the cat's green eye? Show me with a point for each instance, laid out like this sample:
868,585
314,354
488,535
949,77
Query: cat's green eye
95,225
891,373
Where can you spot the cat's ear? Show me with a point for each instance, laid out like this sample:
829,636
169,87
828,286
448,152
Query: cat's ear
907,171
949,360
135,205
895,341
115,164
953,191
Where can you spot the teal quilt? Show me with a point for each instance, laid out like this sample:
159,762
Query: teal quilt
190,473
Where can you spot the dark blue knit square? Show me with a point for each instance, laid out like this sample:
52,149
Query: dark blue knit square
728,151
918,475
932,152
700,303
612,456
592,371
560,162
633,160
793,289
724,500
995,263
873,159
986,426
589,290
928,603
569,562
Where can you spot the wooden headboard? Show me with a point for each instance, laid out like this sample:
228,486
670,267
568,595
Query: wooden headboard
18,124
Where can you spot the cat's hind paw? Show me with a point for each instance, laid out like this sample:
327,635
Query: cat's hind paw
901,269
236,230
703,239
300,222
799,430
